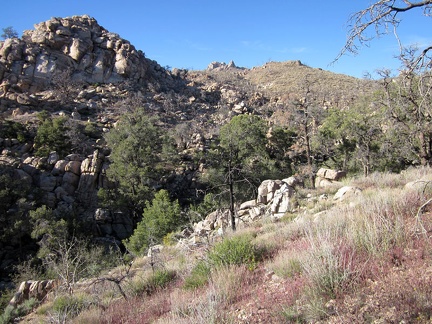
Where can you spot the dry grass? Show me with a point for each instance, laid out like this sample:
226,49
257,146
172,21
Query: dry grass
329,269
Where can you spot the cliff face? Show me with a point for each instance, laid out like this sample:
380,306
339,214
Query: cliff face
76,44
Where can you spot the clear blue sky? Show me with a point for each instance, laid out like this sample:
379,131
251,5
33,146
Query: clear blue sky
192,33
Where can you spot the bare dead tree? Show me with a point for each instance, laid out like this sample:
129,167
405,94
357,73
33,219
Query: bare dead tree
65,87
383,17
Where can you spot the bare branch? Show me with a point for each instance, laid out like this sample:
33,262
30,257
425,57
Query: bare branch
379,16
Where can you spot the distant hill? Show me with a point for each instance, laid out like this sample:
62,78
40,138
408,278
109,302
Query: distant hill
79,50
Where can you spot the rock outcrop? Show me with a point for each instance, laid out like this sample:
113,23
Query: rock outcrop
274,199
345,192
328,177
76,45
32,289
222,66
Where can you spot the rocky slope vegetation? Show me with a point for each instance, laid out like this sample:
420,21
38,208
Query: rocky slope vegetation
75,68
361,258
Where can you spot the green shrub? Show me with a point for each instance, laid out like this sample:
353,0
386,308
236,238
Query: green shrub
5,297
237,250
69,306
11,129
90,130
10,313
198,277
160,217
158,280
51,136
169,239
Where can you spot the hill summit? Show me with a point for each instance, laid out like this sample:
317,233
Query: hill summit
75,44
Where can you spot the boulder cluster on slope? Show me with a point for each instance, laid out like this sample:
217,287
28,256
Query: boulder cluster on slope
77,43
275,198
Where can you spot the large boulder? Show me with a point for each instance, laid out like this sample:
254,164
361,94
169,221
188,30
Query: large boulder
70,182
333,175
74,167
32,289
282,201
294,181
47,182
328,177
346,192
59,167
88,183
267,190
75,44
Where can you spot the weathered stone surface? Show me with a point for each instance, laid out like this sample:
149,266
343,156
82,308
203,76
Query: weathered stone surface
122,225
50,200
47,182
248,204
24,177
294,181
60,192
90,169
70,182
321,182
59,167
154,250
93,163
32,289
74,167
346,192
102,216
329,174
73,157
281,202
53,158
267,189
76,43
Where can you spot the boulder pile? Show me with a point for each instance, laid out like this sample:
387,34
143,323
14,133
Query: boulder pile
274,199
32,289
328,177
78,45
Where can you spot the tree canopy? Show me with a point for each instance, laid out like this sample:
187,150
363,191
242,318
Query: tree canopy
9,32
137,156
241,160
160,217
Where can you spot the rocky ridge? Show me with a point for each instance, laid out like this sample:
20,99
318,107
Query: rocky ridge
78,44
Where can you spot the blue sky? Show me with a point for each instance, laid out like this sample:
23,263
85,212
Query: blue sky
192,33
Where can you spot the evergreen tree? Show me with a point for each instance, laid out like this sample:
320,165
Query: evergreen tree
159,218
9,32
241,160
51,136
137,160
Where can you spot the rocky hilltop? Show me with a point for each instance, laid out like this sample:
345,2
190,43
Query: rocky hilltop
76,44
